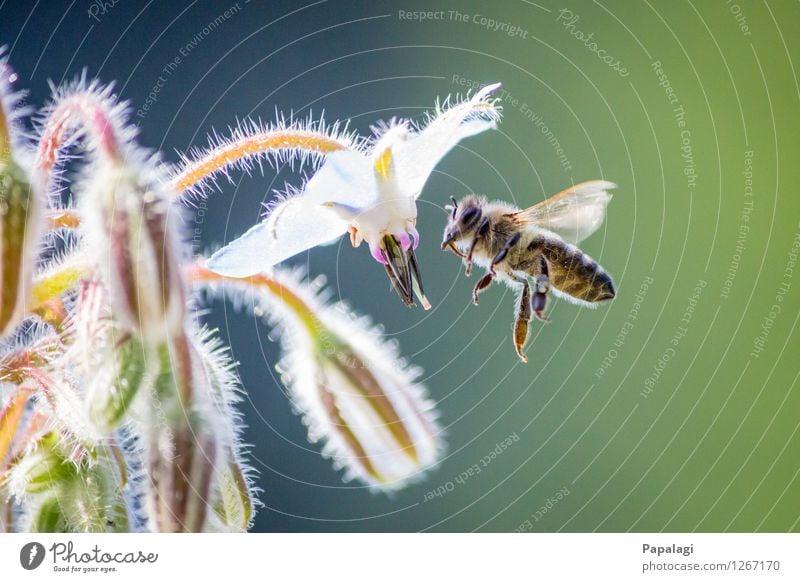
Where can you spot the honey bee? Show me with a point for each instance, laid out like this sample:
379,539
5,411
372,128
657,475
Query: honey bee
534,247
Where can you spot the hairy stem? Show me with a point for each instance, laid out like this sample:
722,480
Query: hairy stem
217,159
199,274
86,109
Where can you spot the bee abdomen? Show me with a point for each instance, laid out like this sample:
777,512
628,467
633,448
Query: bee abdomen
575,273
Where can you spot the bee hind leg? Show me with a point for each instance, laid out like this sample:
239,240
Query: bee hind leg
484,282
524,309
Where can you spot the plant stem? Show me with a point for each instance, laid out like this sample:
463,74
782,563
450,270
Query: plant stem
220,157
197,273
87,109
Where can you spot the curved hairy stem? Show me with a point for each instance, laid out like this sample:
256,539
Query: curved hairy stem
199,274
86,108
248,144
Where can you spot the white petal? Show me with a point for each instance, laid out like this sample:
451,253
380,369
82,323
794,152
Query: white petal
346,179
417,157
295,225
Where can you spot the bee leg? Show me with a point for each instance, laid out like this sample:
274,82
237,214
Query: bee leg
542,283
504,251
483,228
522,319
485,281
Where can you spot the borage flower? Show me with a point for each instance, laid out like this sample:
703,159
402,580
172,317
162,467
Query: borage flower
371,194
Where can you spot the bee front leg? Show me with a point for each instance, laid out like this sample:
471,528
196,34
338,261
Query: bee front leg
510,243
483,228
485,281
521,321
542,283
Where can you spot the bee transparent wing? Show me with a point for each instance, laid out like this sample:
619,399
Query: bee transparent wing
573,214
295,225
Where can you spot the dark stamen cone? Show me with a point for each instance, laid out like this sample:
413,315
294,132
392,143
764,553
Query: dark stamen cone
398,269
401,267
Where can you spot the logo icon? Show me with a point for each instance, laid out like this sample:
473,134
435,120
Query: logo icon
31,555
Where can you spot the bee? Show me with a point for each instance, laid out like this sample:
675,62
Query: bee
533,250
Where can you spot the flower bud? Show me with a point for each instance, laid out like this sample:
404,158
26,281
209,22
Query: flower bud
182,442
41,469
232,498
355,392
19,211
67,494
19,208
93,501
376,420
48,517
111,398
127,217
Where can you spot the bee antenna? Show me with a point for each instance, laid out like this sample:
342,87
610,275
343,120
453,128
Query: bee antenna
455,204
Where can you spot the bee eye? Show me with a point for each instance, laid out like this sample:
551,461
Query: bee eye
470,216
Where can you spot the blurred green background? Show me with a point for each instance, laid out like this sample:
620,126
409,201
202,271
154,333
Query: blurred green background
675,408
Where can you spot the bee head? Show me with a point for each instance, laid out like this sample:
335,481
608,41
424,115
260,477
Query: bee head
465,216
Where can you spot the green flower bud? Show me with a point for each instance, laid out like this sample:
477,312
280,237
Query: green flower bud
19,211
110,401
127,222
41,469
231,498
48,517
182,442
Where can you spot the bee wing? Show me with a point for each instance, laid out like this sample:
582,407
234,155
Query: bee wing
295,225
573,214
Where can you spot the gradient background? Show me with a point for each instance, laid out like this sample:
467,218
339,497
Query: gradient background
714,446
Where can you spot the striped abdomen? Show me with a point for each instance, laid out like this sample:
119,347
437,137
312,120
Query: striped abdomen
575,273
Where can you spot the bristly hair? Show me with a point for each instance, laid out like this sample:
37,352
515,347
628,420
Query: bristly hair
482,108
115,112
102,94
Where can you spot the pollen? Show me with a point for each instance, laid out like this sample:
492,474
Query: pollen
383,164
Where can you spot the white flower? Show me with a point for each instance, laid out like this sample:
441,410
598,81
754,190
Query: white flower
371,194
